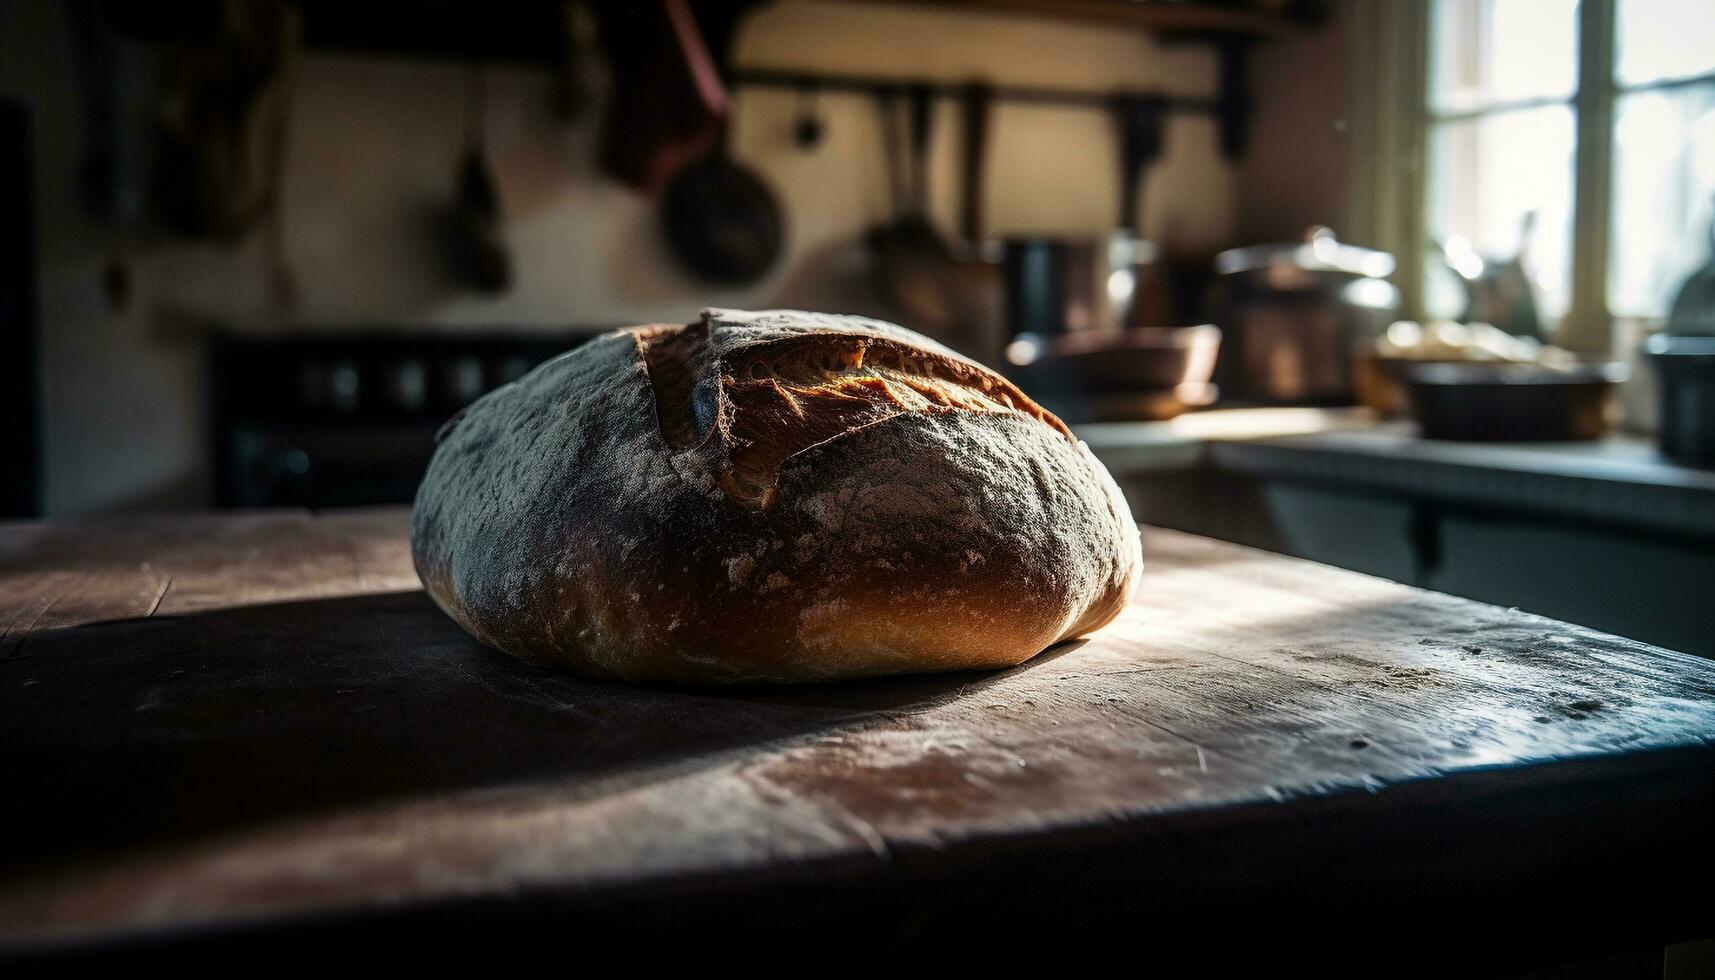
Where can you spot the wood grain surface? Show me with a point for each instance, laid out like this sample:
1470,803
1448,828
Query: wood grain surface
231,728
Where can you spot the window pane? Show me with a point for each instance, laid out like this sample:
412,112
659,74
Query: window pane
1664,195
1485,176
1664,39
1489,51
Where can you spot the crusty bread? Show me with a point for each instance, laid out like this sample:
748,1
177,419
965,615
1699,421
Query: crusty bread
776,496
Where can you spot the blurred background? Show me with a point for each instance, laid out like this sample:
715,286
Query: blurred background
1417,287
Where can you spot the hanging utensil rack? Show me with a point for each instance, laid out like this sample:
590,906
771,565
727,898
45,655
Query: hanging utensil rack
1231,105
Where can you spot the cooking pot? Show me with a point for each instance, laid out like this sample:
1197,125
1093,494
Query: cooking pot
1292,314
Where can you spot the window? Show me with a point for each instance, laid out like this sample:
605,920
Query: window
1519,95
1664,151
1501,143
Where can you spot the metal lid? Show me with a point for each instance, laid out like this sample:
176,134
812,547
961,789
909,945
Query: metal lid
1319,252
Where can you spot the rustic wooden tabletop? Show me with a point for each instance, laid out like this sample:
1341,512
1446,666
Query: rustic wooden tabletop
257,725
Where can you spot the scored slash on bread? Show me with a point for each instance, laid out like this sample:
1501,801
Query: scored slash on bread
758,400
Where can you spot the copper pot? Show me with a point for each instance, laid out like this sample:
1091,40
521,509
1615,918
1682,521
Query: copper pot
1294,314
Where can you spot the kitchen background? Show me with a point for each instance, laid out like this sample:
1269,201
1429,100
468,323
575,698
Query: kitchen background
254,252
374,142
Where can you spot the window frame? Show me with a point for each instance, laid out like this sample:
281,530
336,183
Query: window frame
1588,325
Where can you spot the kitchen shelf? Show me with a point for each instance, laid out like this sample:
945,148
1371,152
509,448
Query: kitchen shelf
533,32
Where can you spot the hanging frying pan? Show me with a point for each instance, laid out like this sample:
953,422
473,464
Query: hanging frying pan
722,222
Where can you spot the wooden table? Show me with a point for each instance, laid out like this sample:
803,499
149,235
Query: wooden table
256,728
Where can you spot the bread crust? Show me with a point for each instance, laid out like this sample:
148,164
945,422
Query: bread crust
773,497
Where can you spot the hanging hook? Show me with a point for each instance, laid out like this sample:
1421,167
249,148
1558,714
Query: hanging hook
808,130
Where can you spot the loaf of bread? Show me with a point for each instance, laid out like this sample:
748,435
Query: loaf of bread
776,497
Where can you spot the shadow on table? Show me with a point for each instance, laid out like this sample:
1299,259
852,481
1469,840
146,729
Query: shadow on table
141,732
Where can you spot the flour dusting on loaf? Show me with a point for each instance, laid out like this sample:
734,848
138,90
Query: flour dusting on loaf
778,496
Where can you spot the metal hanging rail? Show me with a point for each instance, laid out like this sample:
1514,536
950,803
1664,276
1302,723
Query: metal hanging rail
1230,107
877,84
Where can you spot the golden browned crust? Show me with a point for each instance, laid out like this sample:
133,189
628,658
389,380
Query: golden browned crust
778,496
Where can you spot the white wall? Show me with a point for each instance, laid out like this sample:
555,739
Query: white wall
373,149
1296,171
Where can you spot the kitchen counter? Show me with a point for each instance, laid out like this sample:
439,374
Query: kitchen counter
1141,447
256,728
1621,479
1608,534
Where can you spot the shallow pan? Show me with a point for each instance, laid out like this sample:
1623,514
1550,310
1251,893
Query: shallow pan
1512,402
